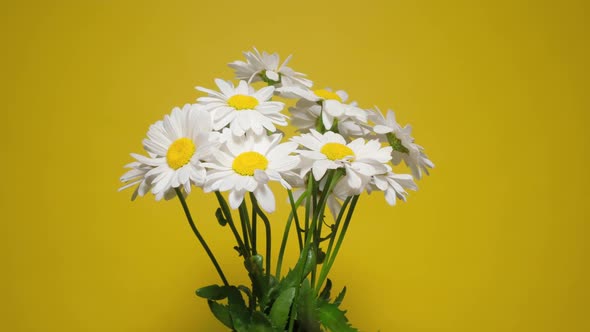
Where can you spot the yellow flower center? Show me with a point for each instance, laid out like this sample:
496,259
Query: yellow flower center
336,151
242,102
180,152
325,94
246,163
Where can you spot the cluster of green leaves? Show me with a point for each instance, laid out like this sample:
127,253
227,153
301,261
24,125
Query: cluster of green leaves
275,305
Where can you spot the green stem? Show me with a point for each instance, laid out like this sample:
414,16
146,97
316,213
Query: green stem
267,229
302,256
332,178
245,221
324,271
308,210
332,258
337,225
254,231
199,237
292,215
314,201
226,211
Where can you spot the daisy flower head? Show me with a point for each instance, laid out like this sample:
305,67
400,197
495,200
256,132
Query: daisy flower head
136,176
384,124
247,164
331,102
178,145
242,108
401,140
351,122
359,159
392,185
265,67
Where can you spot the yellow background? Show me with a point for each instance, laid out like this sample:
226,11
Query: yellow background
497,91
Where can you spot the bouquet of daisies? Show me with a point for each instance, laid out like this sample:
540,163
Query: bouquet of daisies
228,143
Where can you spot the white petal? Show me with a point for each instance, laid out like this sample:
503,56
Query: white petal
251,184
353,179
380,129
236,130
265,198
334,206
284,164
236,198
342,94
260,176
327,120
201,120
333,107
184,174
272,75
282,150
380,183
225,87
243,88
320,167
390,196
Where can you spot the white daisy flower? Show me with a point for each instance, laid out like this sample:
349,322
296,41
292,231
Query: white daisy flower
331,102
242,108
384,125
351,122
136,176
392,185
265,67
246,164
359,159
402,142
178,143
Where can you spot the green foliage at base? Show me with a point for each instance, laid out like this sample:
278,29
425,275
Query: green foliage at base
277,306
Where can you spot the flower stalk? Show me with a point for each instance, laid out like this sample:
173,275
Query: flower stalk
200,237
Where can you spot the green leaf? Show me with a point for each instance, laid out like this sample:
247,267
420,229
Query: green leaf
240,315
213,292
256,273
309,262
325,294
279,313
260,323
220,217
221,312
333,318
340,296
306,308
264,288
270,293
251,300
305,264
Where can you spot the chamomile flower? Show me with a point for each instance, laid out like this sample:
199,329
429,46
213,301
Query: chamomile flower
352,122
392,185
326,108
331,102
247,164
242,108
178,143
402,142
359,159
384,124
265,67
136,176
